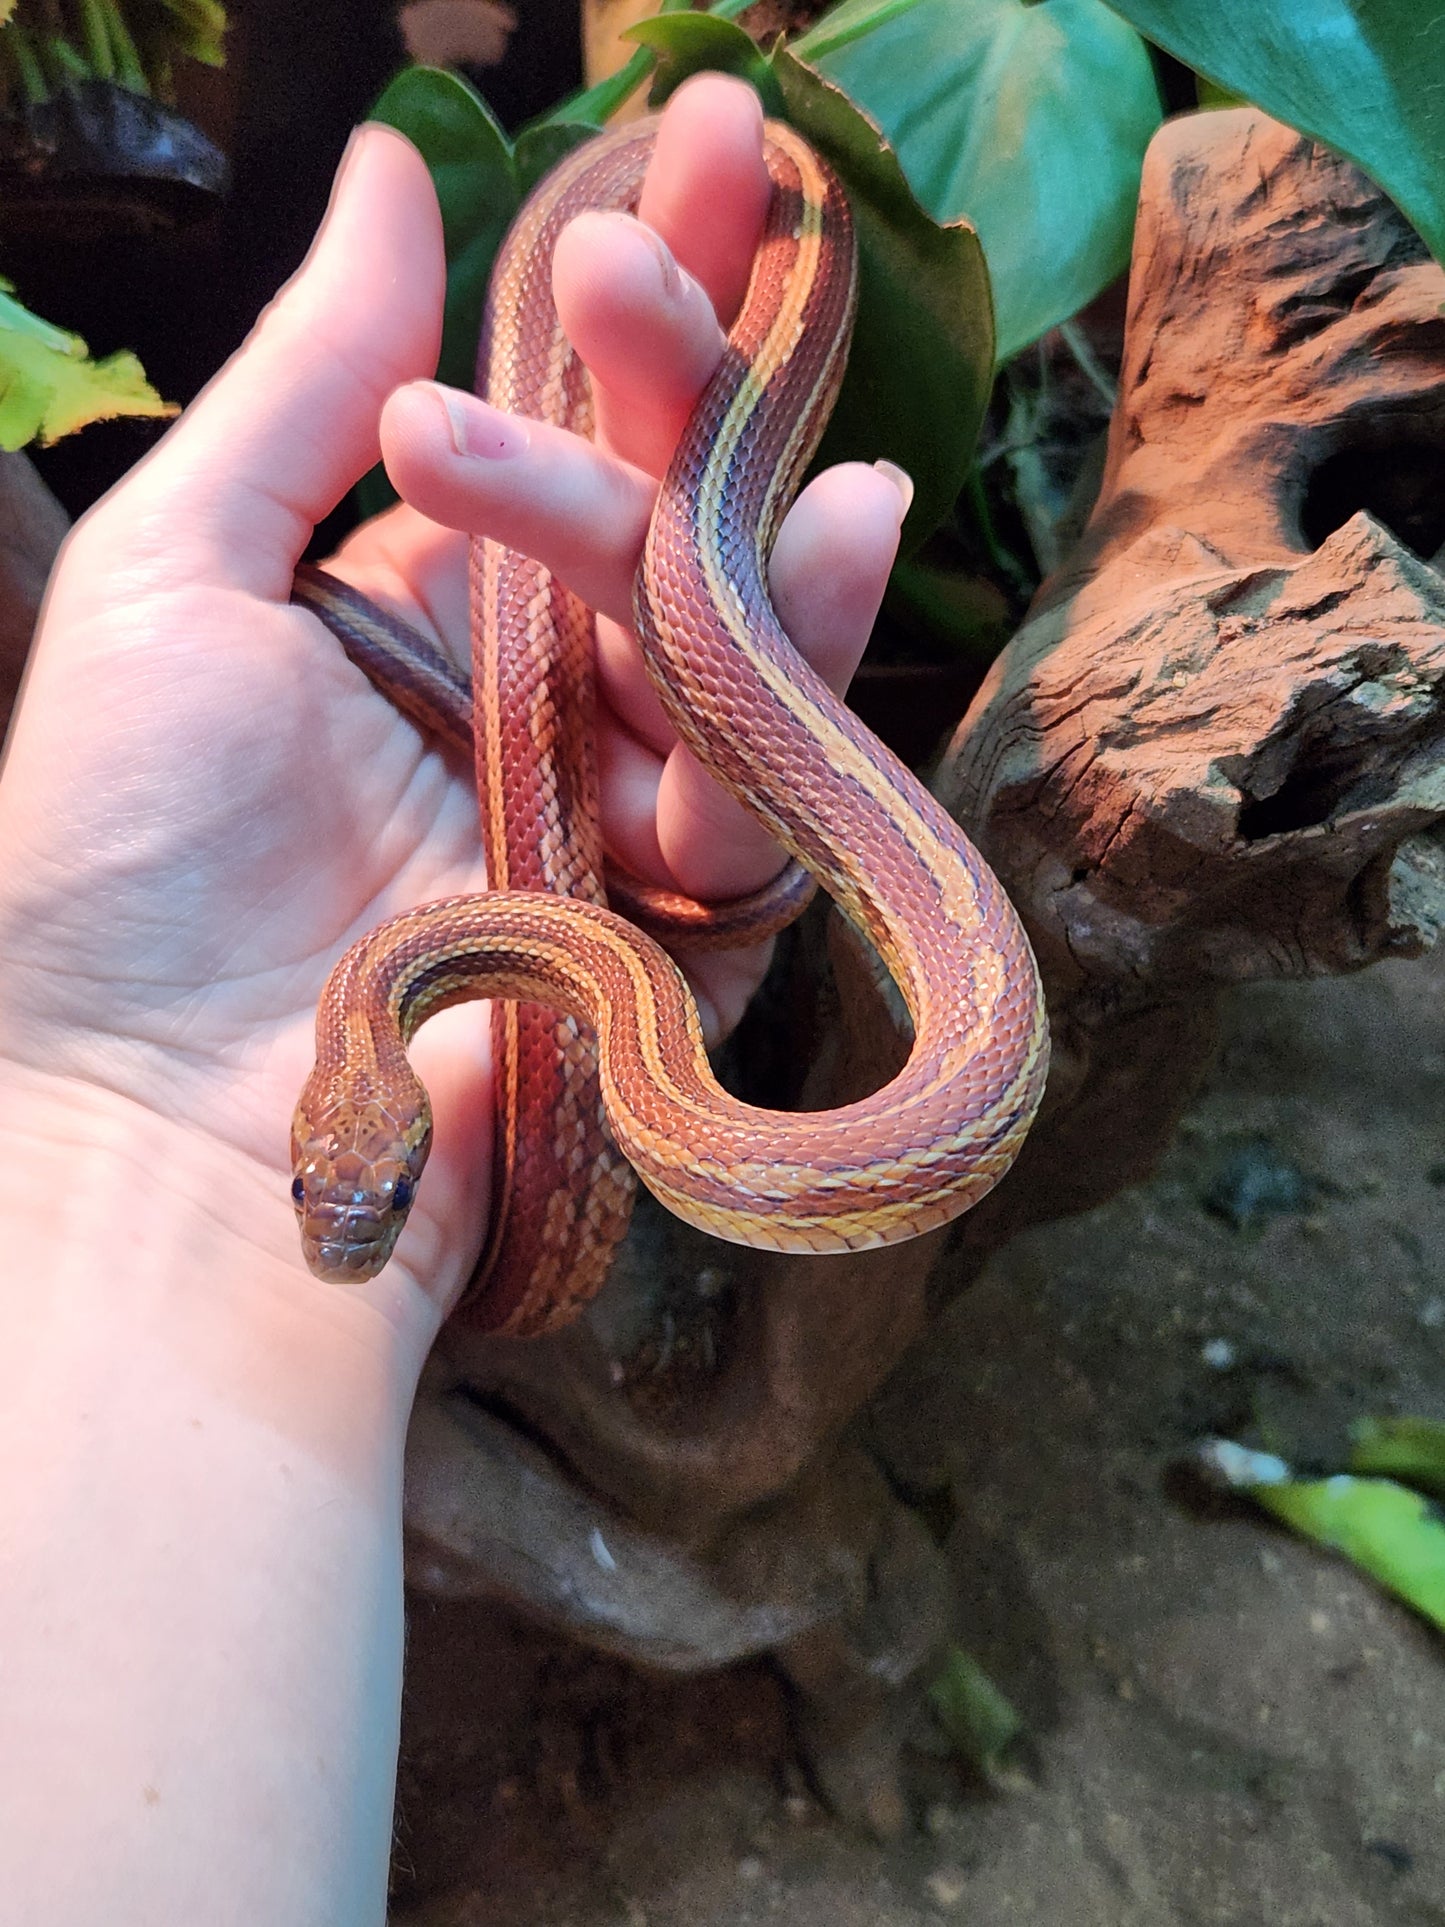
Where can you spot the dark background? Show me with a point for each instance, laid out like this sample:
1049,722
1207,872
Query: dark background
299,74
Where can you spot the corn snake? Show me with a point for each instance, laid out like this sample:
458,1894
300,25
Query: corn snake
588,1004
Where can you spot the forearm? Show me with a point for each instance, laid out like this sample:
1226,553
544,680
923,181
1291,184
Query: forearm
200,1540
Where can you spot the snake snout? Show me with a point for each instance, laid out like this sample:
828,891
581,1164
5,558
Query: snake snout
352,1200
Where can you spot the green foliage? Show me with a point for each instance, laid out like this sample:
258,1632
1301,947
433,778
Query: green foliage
51,44
1410,1449
1365,76
1390,1532
1029,120
49,386
922,359
1389,1529
686,43
981,1724
1025,120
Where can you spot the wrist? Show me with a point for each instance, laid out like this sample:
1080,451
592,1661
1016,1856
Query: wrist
145,1228
206,1538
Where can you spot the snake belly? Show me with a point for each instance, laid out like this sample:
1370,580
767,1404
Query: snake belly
599,1047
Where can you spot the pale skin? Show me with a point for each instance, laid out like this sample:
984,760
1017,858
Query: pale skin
202,804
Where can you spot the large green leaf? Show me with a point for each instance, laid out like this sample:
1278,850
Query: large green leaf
1395,1535
686,43
922,359
1365,76
1411,1450
49,386
1029,120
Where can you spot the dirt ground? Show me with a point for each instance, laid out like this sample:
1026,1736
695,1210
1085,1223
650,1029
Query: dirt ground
1227,1726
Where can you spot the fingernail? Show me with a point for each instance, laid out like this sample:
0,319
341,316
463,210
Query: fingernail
902,481
349,153
343,168
477,429
672,282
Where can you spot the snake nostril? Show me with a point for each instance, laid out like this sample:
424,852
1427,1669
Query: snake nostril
401,1194
298,1190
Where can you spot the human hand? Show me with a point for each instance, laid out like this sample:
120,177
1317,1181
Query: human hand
204,803
645,301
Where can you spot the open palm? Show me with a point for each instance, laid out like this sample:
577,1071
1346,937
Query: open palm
203,802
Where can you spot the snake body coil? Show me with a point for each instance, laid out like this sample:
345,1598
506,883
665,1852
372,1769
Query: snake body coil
911,1156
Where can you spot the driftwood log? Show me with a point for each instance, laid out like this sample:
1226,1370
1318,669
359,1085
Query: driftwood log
1212,753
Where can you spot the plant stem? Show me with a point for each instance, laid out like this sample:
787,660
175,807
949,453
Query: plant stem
600,101
97,40
1001,557
32,75
128,69
819,40
1077,343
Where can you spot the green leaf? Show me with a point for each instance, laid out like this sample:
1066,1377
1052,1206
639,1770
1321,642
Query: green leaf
477,185
1365,76
19,320
922,360
50,387
686,43
980,1722
1411,1450
1395,1535
1030,120
542,145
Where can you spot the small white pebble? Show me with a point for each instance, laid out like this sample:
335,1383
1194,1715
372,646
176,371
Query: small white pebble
1218,1354
946,1887
1230,1465
750,1868
599,1551
1432,1314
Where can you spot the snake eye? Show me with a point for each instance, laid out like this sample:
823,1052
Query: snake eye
298,1190
401,1193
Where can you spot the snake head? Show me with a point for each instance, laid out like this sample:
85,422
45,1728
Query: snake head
355,1173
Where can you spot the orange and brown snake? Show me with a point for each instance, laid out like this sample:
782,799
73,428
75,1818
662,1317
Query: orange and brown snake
597,1019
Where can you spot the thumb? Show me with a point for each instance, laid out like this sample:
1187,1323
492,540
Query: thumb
231,494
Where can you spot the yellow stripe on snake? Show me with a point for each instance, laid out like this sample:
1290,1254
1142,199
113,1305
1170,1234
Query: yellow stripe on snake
615,1015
